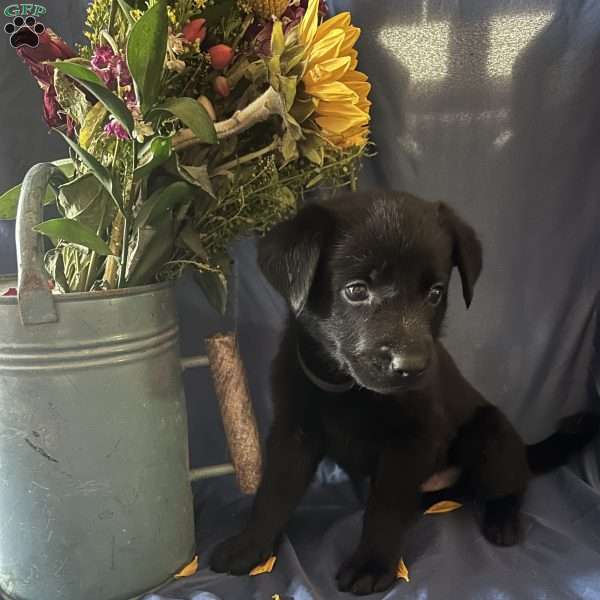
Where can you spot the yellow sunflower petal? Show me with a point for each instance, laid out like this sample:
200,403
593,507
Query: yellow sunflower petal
329,70
355,76
340,21
361,88
335,125
351,37
326,49
333,91
353,54
310,23
352,112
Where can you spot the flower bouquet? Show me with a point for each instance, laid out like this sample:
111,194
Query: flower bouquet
190,123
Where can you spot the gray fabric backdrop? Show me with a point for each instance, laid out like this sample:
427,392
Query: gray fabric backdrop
493,106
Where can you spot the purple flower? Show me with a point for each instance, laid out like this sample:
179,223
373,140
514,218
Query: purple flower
116,130
101,64
110,67
121,70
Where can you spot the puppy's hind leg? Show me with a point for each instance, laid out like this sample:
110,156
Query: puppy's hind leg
495,470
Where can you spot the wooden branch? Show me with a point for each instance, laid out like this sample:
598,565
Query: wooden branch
261,109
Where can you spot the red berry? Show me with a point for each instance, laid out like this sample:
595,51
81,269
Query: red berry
221,56
221,86
195,31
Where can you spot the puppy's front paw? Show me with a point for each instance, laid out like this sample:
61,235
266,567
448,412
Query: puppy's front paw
364,574
240,554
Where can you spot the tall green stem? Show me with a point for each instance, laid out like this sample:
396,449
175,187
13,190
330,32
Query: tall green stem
113,17
126,221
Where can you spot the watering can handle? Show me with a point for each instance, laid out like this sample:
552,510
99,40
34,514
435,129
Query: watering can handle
36,303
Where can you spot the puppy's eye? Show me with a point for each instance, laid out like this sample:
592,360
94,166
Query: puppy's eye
357,292
435,295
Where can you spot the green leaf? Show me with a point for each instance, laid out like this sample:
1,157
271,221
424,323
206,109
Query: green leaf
286,197
289,147
287,89
109,180
199,176
291,58
69,230
193,241
193,115
257,72
127,12
85,200
214,286
10,199
312,148
277,39
153,250
55,266
146,50
72,100
162,201
91,82
303,108
159,152
218,11
92,124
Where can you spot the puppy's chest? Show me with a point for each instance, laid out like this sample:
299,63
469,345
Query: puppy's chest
355,432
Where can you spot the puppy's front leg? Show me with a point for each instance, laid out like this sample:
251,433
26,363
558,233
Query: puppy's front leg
393,505
292,459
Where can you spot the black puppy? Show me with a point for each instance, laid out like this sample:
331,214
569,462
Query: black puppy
361,377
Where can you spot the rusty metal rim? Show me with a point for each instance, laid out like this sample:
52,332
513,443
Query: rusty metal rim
87,296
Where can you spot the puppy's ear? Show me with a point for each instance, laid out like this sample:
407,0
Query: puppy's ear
289,254
466,249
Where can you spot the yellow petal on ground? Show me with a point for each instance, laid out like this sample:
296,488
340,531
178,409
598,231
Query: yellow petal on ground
188,570
310,23
326,49
402,572
340,21
333,91
443,507
330,70
264,568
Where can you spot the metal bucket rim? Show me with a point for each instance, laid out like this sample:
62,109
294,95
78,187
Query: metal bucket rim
96,295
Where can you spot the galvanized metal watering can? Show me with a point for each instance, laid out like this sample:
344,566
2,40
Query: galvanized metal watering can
94,482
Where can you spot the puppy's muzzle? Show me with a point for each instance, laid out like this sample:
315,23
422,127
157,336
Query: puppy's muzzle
403,365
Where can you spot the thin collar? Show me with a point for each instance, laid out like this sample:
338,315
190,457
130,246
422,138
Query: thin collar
326,386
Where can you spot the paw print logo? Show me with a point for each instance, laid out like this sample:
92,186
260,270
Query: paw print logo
24,32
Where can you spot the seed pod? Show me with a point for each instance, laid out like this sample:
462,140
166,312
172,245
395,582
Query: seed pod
269,8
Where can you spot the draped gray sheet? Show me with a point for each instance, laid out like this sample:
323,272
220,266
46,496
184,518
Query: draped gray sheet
494,107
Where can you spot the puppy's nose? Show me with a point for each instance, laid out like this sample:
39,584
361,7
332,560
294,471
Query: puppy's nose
407,364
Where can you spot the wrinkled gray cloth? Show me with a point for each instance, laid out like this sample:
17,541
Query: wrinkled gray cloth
494,107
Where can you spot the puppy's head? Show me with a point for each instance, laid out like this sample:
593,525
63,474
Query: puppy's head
367,276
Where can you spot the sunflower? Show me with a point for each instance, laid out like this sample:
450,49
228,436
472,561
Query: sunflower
339,91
